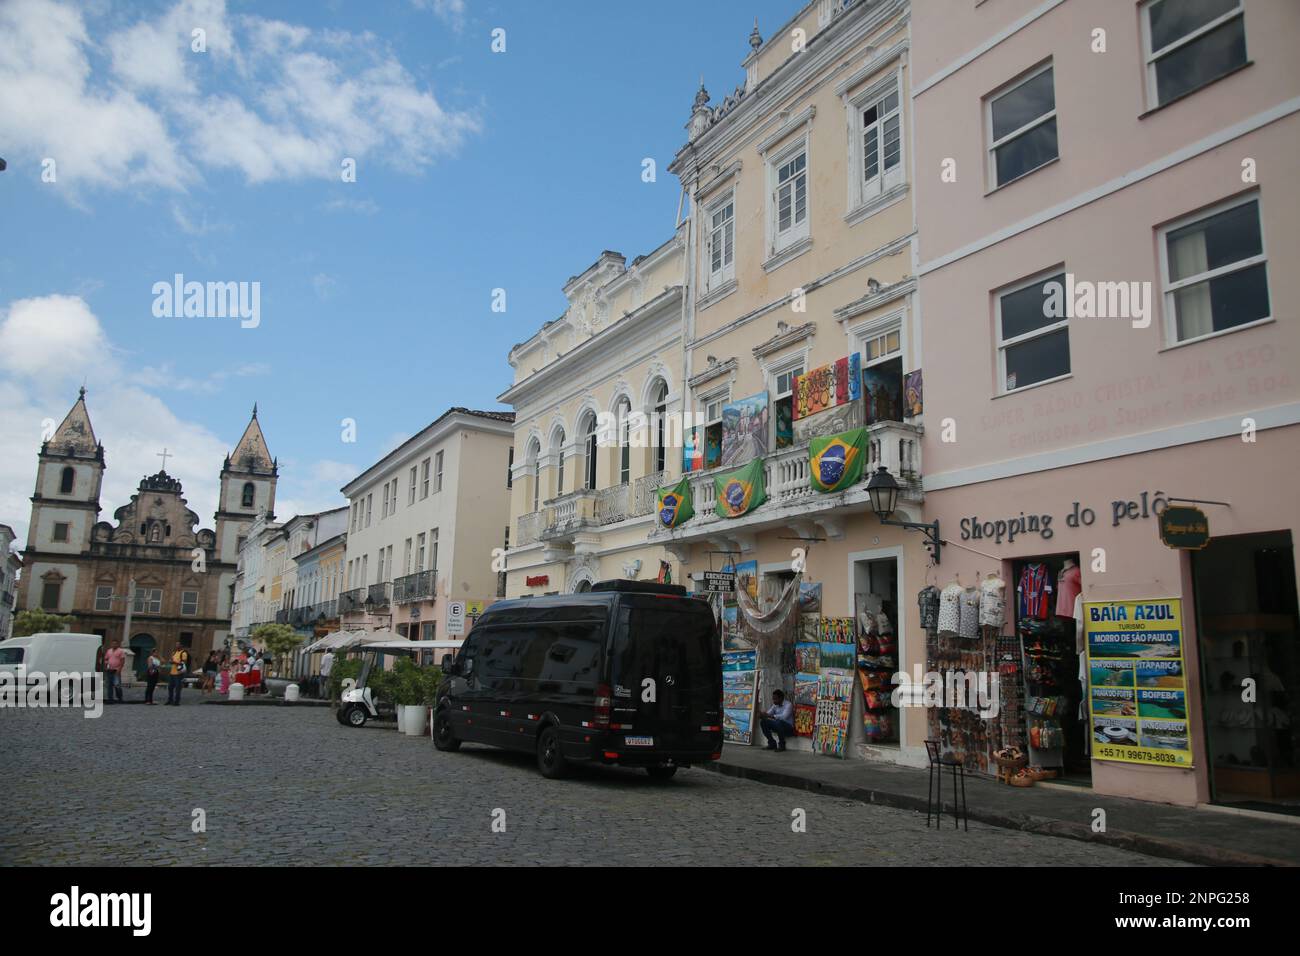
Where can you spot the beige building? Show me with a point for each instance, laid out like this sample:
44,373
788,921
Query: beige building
802,323
595,394
423,523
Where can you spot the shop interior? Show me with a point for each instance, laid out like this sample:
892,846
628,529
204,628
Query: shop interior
1246,612
875,599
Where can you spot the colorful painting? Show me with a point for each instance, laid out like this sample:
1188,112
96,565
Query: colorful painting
882,391
746,573
834,701
732,638
805,719
741,491
833,421
810,597
712,446
692,450
826,386
739,691
912,397
783,411
744,430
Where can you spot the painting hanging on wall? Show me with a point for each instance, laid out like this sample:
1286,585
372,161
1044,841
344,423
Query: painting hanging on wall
692,450
827,386
882,391
744,430
913,404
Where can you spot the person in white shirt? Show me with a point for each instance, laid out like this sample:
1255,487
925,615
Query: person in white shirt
779,721
326,665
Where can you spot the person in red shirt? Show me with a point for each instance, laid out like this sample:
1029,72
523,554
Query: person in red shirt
114,661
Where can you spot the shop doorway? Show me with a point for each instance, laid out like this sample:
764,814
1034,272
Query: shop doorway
1045,597
875,612
1246,621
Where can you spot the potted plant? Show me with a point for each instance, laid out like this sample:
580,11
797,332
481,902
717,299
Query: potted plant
408,695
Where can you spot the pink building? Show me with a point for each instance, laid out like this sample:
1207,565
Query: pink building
1109,231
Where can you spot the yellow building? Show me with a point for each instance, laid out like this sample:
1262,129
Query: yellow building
801,324
594,393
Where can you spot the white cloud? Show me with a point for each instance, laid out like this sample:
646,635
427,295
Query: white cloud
49,346
365,207
268,99
450,12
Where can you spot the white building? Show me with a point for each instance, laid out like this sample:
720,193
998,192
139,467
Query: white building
9,566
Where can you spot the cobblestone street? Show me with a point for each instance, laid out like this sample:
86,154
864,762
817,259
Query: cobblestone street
292,786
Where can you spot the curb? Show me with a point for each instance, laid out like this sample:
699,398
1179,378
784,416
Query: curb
1030,823
271,702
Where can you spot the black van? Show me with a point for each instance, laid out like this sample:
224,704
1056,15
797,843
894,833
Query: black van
627,673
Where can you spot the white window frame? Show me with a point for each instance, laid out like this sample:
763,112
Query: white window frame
424,478
433,549
437,471
147,601
994,144
726,272
1003,344
798,230
790,365
370,503
383,513
103,602
193,605
1169,287
410,495
406,558
1152,57
879,328
419,551
721,396
861,190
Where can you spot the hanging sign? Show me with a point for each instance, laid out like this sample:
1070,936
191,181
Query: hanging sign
1184,529
1137,682
719,581
739,691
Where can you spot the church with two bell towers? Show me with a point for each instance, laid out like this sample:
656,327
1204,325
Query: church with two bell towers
177,577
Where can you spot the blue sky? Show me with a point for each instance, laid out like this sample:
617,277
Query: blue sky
475,170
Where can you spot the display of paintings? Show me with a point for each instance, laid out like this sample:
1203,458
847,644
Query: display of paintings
837,643
827,386
912,403
807,665
744,430
833,421
810,597
882,391
739,691
805,719
838,640
692,450
807,658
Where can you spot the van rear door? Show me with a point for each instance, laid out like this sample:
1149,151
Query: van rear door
671,641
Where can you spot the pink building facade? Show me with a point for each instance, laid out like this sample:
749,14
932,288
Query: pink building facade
1108,228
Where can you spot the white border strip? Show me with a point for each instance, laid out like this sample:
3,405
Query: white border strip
1276,417
1191,151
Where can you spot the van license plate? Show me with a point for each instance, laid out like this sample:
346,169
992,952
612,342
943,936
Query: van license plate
639,741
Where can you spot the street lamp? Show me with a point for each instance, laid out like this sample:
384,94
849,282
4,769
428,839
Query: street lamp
883,490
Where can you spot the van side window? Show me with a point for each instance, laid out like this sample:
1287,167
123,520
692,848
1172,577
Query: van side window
574,654
496,655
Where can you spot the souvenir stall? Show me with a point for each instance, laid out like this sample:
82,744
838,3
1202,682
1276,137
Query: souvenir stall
877,662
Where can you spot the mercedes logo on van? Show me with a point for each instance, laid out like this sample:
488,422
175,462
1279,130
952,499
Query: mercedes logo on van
668,679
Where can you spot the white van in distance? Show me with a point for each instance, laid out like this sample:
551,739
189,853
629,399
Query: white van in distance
50,652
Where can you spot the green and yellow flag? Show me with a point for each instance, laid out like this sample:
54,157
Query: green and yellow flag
835,461
673,505
741,491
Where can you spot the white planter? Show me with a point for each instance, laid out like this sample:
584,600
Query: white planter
401,718
416,717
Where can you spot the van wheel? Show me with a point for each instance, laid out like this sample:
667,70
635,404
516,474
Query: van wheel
355,716
549,759
661,773
443,738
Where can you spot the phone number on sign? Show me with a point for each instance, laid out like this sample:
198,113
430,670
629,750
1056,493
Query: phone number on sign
1123,753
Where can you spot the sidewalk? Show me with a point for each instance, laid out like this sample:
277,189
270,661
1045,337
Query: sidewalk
1204,836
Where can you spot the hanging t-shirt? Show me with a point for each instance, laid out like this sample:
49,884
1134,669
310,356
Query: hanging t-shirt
950,609
1068,588
928,601
993,602
968,616
1034,589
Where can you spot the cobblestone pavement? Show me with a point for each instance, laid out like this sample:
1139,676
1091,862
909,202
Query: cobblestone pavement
292,786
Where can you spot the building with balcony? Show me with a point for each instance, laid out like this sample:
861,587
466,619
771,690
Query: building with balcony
802,324
597,398
423,522
1110,323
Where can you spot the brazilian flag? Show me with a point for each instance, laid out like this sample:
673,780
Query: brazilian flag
741,491
835,461
673,505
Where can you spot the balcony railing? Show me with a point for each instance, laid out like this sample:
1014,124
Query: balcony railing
529,528
414,587
352,600
282,616
610,504
643,493
380,595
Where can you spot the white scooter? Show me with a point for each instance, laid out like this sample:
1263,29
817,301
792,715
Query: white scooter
357,704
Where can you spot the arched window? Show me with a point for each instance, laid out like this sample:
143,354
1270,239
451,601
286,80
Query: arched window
590,445
535,452
67,480
249,493
624,413
661,412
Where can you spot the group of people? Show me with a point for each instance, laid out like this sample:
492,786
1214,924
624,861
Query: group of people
218,672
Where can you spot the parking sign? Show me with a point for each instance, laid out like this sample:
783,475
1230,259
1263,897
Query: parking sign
455,618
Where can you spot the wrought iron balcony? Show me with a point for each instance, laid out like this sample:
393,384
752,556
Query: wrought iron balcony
419,586
352,600
380,595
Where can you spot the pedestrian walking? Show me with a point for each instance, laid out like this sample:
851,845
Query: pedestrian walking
114,661
210,668
176,679
152,671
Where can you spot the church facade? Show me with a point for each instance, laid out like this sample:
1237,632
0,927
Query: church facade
183,575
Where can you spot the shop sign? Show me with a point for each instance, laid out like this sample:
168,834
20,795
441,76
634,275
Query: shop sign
537,580
1137,682
1184,528
1008,527
719,581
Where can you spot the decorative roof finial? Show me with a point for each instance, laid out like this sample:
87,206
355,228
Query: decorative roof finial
255,409
702,95
755,38
81,394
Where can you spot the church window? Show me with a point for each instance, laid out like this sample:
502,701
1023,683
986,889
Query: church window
104,597
50,592
148,600
67,480
189,602
249,494
60,531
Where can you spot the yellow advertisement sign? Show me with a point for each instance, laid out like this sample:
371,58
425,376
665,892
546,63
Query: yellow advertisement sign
1137,682
474,608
